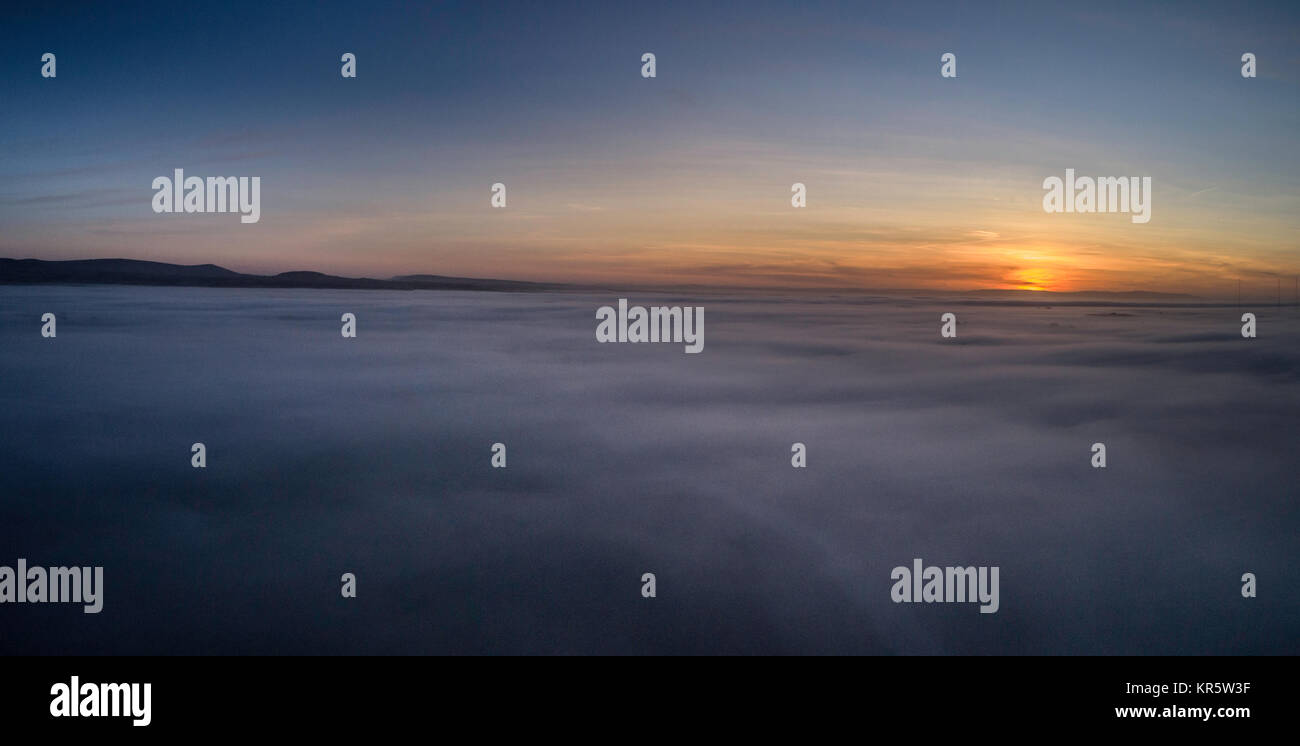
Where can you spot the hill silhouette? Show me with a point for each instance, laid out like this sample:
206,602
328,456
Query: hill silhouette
137,272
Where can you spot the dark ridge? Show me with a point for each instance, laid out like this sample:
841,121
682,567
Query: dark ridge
136,272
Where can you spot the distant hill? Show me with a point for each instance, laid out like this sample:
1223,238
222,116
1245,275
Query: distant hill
135,272
106,270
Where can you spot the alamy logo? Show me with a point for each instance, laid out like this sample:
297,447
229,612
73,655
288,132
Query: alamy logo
36,585
1104,194
656,324
946,585
102,700
218,194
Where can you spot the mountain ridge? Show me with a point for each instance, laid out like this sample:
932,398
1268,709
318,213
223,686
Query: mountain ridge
143,272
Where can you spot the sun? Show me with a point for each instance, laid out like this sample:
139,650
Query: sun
1034,278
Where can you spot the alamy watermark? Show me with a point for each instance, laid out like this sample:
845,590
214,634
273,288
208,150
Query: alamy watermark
38,585
75,699
180,193
1103,194
946,585
655,324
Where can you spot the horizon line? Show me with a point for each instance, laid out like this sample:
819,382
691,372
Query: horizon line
649,286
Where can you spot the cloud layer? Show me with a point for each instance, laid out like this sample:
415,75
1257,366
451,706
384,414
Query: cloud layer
371,456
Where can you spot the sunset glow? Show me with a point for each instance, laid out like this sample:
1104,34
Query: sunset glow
913,181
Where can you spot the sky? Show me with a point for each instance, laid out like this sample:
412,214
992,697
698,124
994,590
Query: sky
913,180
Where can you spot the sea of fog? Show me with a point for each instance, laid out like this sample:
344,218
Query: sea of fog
371,455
